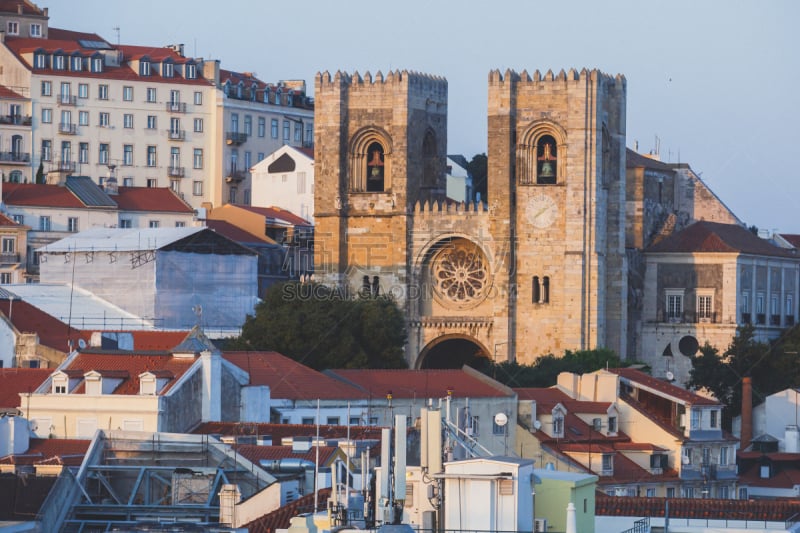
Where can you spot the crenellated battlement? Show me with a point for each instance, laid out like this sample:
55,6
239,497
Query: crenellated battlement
414,81
438,208
510,76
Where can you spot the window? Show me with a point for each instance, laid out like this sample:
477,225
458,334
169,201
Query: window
714,418
558,426
127,155
144,68
262,126
197,160
58,62
83,153
72,224
789,309
180,223
695,423
127,181
723,492
650,493
153,224
97,64
76,63
47,146
44,223
670,492
151,122
608,462
39,60
309,134
546,160
125,223
298,132
248,125
152,183
8,245
66,151
674,305
332,421
47,115
102,154
287,131
83,118
175,185
83,90
151,94
612,424
167,69
375,163
47,88
687,456
127,120
12,28
66,120
704,306
102,91
197,188
689,492
235,122
5,277
723,456
174,157
105,119
151,156
248,160
232,195
260,156
36,30
742,493
198,98
273,130
307,421
198,125
127,93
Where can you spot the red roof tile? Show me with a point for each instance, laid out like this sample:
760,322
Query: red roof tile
280,519
157,340
280,431
132,364
715,237
637,376
769,510
31,194
52,332
70,35
69,452
8,94
277,213
236,233
162,199
794,240
638,447
546,398
420,384
290,380
6,221
12,6
14,381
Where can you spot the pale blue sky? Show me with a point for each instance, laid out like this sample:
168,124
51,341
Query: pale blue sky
716,80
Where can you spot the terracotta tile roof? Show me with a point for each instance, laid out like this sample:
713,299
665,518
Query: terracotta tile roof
6,221
132,364
156,54
638,447
420,384
70,35
157,340
235,233
586,448
715,237
12,6
639,377
8,94
290,380
161,199
784,478
255,453
627,471
14,381
309,152
794,240
278,214
67,452
546,398
769,510
280,431
589,408
52,332
634,160
235,77
31,194
280,519
777,456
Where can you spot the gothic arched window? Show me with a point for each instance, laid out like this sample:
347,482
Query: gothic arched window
546,160
375,168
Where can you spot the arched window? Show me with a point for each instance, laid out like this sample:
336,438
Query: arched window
375,168
546,160
15,176
227,88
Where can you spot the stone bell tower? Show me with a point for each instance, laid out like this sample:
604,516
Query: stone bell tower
380,147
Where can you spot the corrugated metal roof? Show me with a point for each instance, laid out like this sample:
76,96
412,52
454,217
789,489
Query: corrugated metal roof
81,308
120,240
89,192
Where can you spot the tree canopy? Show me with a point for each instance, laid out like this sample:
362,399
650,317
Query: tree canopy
323,328
772,367
544,372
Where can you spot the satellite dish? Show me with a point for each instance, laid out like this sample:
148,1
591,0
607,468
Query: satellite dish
500,419
670,376
81,344
537,425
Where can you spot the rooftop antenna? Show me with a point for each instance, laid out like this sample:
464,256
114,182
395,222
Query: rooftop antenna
116,29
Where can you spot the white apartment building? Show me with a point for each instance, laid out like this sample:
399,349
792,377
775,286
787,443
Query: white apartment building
15,134
285,179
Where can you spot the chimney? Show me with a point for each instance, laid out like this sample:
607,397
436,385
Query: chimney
747,413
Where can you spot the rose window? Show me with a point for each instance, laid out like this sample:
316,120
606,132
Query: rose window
459,273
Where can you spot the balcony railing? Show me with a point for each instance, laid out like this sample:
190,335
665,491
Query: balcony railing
63,166
774,320
67,99
176,107
67,128
761,319
22,120
176,172
176,135
15,157
234,137
688,317
9,257
235,175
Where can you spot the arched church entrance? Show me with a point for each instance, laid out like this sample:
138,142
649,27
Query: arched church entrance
452,351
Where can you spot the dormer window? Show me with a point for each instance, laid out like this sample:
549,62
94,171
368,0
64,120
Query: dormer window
278,97
97,64
191,71
227,88
253,91
266,95
39,60
93,383
60,384
76,63
239,90
608,464
714,421
167,69
144,67
147,384
612,424
558,425
58,62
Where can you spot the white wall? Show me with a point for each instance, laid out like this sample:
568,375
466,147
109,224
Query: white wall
285,190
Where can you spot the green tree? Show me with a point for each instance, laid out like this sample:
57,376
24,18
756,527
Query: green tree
478,169
40,177
322,328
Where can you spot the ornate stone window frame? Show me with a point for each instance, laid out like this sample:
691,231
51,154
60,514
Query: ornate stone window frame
359,157
527,152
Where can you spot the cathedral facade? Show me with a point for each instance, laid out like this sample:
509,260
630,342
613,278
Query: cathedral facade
539,268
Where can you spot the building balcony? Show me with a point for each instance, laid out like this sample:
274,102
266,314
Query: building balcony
67,128
20,120
789,320
176,135
176,107
63,166
234,137
235,176
67,99
176,172
8,258
20,158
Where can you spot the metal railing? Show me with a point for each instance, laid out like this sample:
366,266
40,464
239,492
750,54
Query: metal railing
176,135
176,172
15,157
176,107
234,137
67,99
68,128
